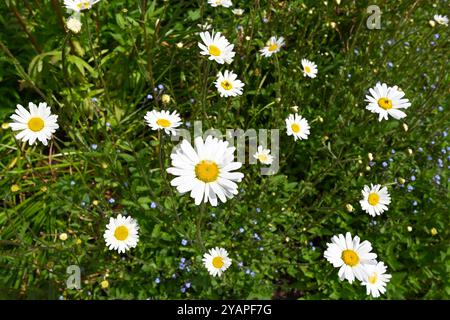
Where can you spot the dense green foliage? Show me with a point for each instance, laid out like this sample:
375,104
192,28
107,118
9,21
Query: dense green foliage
97,81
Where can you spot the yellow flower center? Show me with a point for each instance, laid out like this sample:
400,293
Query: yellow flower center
121,233
262,157
226,85
385,103
307,69
273,47
374,198
218,262
36,124
214,51
163,123
83,5
207,171
350,258
373,278
295,127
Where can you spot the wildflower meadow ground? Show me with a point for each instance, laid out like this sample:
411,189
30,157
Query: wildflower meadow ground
224,149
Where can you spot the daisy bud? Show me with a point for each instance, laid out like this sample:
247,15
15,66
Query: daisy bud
180,45
338,2
287,239
333,24
247,38
15,188
63,236
409,228
370,156
401,180
434,231
78,242
410,151
74,24
405,127
432,23
360,161
368,168
165,99
104,284
349,207
95,203
294,108
5,126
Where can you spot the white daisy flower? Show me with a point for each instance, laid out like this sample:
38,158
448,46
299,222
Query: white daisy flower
263,155
216,47
350,256
74,24
163,120
218,3
36,124
206,26
216,261
376,279
206,170
79,5
297,126
441,19
273,46
309,68
121,234
376,199
228,85
238,12
386,101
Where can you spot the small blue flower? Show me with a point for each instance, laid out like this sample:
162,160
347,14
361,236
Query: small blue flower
184,242
406,43
83,204
241,230
192,100
432,43
372,163
183,260
94,146
213,215
240,264
429,158
265,20
108,124
247,271
384,164
391,160
436,36
252,274
111,200
413,178
94,100
356,51
261,248
256,236
254,221
160,87
414,203
183,289
153,205
155,89
258,210
420,149
392,151
410,188
187,284
149,97
157,280
443,151
390,64
440,109
174,276
390,42
72,183
433,87
188,269
181,266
